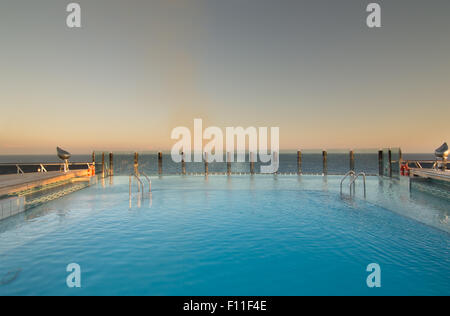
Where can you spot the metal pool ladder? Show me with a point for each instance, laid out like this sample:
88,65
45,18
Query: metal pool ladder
348,174
352,183
149,182
140,183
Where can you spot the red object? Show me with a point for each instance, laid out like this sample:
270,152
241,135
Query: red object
404,169
91,171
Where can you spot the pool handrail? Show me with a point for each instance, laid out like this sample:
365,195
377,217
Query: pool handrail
140,183
350,173
148,180
352,182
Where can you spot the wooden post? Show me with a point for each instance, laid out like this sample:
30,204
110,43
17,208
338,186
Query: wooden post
136,163
206,164
228,164
93,160
103,165
390,163
352,160
299,162
325,162
183,164
380,163
252,164
111,164
160,163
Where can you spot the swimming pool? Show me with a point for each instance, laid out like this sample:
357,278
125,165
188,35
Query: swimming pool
261,235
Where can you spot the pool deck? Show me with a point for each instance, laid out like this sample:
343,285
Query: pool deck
431,174
11,184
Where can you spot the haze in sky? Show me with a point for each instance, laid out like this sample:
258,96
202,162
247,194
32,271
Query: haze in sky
138,69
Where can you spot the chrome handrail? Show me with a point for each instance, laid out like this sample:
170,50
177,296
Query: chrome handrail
140,183
148,180
350,173
352,182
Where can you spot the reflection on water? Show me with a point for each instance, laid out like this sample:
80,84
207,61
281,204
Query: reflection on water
228,231
434,194
325,184
395,195
10,277
44,218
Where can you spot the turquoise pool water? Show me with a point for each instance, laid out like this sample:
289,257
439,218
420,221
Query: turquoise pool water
264,235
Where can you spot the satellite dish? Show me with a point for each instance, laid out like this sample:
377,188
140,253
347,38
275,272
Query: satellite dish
62,154
442,151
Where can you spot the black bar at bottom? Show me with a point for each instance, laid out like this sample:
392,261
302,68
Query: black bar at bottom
223,305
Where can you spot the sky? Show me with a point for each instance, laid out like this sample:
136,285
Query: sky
137,69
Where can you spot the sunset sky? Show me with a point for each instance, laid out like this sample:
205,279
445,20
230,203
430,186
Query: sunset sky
138,69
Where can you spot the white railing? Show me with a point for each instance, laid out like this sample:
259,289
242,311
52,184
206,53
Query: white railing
19,170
